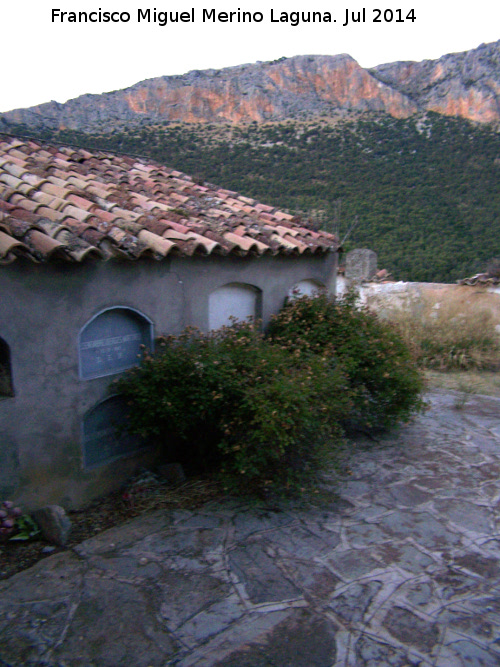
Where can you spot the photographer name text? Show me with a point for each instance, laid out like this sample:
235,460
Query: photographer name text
344,17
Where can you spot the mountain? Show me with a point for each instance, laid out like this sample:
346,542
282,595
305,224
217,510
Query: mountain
411,151
461,84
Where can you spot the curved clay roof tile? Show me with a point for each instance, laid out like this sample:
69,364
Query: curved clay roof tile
159,244
43,244
7,244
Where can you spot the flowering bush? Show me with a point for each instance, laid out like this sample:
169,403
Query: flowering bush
232,402
383,379
265,412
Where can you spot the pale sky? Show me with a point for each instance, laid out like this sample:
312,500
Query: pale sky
44,60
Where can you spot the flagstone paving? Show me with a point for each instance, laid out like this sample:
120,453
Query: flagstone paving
402,569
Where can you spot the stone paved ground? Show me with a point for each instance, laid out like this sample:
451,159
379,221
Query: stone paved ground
403,570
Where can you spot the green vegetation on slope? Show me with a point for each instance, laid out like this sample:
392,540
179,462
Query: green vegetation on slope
425,189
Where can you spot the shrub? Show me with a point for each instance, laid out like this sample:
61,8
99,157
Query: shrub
232,402
266,412
384,382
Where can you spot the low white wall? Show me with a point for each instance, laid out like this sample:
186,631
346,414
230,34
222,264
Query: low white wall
388,296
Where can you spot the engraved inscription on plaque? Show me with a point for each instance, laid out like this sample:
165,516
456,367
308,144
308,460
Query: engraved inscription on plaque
104,438
111,342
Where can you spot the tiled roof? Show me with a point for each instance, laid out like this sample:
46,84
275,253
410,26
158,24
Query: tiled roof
69,203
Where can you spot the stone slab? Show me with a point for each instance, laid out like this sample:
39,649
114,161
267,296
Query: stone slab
404,571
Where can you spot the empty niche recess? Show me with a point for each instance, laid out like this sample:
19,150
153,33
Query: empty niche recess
306,287
6,384
111,342
233,300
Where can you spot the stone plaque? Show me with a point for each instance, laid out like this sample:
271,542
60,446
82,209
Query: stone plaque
103,436
111,342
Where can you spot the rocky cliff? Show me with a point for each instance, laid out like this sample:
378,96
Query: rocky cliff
464,84
458,84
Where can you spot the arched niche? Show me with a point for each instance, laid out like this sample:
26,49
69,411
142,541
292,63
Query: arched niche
111,342
103,436
6,384
306,287
234,300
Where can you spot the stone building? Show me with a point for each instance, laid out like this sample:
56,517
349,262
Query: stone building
99,254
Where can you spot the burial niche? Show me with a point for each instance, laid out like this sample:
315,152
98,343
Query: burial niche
6,384
103,434
234,300
111,342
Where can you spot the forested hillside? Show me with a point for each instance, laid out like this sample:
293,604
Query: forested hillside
426,190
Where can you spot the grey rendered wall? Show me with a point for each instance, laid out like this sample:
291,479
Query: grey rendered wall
42,310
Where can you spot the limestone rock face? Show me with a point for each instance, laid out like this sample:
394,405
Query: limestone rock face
463,84
458,84
294,87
